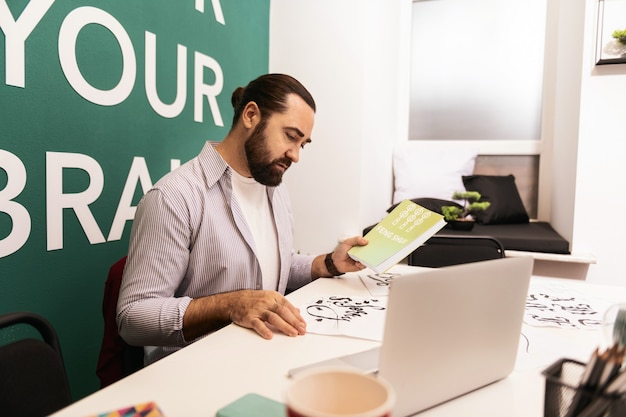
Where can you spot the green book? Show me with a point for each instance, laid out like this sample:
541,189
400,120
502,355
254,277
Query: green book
253,405
397,235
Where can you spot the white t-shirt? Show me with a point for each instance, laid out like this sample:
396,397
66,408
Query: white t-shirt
254,202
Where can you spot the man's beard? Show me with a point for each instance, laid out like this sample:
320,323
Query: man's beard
263,171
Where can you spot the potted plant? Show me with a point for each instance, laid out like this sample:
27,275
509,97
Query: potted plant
620,35
462,218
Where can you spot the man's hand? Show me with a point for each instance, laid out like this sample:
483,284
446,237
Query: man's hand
341,260
254,309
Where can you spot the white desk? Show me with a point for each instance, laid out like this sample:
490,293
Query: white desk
216,370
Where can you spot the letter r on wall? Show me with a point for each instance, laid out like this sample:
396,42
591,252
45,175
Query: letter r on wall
56,200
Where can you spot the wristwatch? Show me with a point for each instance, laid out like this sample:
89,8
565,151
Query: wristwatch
330,265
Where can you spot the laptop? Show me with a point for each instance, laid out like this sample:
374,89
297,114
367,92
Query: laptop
448,331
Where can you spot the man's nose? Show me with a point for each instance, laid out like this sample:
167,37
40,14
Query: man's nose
293,153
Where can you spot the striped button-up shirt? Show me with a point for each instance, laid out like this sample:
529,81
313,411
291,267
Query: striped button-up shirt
190,239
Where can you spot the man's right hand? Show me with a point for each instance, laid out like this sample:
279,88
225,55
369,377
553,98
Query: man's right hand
259,310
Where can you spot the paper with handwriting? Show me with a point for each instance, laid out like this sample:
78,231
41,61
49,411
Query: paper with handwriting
546,304
556,306
378,284
360,317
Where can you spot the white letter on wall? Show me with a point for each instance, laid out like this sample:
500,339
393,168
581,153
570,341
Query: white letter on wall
165,110
125,210
15,34
56,201
16,181
217,9
200,89
72,25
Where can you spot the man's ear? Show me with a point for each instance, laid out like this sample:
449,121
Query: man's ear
251,115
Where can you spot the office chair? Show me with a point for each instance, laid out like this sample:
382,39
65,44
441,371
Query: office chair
117,358
33,379
446,250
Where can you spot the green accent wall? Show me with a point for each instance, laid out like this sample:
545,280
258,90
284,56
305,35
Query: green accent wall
98,100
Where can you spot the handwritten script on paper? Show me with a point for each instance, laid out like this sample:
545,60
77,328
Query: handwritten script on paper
361,317
546,304
555,306
378,284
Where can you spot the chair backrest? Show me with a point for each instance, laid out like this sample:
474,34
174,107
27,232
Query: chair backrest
446,250
33,379
117,358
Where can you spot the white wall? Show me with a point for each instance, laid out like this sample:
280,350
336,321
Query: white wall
600,178
561,112
352,55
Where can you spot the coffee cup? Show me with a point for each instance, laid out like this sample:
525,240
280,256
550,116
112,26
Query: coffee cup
339,392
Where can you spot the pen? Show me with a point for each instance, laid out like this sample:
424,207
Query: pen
616,388
578,402
611,368
611,384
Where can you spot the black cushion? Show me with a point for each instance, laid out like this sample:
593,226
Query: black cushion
500,190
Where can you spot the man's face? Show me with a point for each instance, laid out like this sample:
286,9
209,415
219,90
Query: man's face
276,141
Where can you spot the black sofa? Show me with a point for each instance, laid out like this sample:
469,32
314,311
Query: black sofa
530,237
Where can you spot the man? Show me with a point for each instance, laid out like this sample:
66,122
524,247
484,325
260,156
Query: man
212,241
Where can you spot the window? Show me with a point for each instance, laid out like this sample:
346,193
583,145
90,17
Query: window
477,75
477,69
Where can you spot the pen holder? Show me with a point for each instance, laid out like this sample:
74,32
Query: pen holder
562,378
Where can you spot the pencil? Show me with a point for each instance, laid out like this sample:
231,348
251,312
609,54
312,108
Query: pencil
613,364
592,372
598,407
610,386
